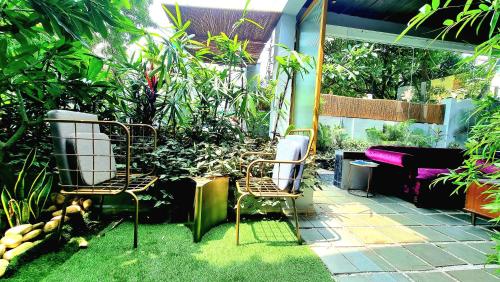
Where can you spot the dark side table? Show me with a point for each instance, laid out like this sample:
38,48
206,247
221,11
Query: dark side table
370,166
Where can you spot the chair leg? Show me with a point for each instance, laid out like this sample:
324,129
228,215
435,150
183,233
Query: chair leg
101,204
473,218
297,228
136,217
238,211
61,222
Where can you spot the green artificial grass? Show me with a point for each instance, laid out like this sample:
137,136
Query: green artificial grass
268,252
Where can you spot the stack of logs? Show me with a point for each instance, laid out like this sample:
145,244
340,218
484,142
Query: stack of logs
19,239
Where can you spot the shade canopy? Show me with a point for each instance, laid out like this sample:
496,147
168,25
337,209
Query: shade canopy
216,20
392,16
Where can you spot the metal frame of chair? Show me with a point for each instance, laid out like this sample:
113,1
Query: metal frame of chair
128,144
263,186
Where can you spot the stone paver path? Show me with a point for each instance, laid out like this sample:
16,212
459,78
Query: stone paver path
387,239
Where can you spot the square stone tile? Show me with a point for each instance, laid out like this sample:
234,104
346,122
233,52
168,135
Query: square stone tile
365,260
334,261
382,220
328,233
373,277
387,199
401,234
355,219
478,231
484,247
473,275
403,219
467,218
401,258
423,219
325,221
495,271
448,220
434,255
427,211
370,235
400,208
349,208
457,233
430,277
340,237
381,209
304,222
311,235
464,252
430,234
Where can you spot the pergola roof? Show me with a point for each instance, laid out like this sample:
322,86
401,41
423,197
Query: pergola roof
396,14
215,20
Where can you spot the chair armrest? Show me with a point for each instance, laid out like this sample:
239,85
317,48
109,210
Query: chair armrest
256,154
143,141
262,161
253,154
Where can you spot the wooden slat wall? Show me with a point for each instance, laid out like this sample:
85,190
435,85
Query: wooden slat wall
390,110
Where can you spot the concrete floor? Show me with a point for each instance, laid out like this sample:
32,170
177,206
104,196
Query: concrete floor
387,239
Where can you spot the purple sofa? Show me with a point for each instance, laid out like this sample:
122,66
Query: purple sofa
407,172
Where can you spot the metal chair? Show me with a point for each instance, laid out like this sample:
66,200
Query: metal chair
286,173
102,158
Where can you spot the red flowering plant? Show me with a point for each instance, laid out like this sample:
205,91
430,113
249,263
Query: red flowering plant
151,92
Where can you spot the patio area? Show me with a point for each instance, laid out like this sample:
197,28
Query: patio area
192,140
387,239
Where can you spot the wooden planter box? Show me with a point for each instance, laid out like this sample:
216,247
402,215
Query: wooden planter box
475,199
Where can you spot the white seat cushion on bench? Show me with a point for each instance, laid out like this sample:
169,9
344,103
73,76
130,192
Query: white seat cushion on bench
95,160
286,150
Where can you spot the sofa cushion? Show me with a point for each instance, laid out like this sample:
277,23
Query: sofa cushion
424,173
429,157
61,131
287,150
93,155
390,157
487,168
304,146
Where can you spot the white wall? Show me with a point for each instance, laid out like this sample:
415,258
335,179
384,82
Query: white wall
284,34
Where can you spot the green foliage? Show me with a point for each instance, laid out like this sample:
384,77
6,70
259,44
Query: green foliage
289,65
481,149
402,134
182,158
310,179
481,152
335,138
47,62
353,68
24,201
324,141
472,15
483,141
200,87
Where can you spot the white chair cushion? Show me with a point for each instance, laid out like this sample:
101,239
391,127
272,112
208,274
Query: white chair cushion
304,146
287,150
61,131
94,158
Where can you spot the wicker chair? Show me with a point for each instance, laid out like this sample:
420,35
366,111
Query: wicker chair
284,183
102,158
